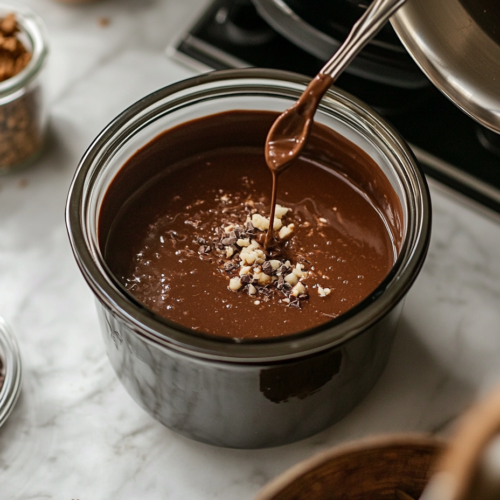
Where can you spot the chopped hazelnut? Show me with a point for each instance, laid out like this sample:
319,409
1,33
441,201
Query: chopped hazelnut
292,279
262,223
323,292
281,211
245,270
248,257
243,242
260,254
251,290
264,279
229,252
298,289
298,271
235,284
286,232
275,263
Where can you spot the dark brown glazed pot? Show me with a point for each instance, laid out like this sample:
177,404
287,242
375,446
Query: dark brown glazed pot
234,392
381,468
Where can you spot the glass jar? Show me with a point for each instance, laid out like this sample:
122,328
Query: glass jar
10,371
23,114
239,392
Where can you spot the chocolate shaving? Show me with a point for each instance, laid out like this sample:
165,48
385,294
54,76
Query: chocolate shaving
205,249
267,268
229,241
246,279
230,266
250,228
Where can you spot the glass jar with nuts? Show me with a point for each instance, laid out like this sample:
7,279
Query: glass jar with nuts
23,115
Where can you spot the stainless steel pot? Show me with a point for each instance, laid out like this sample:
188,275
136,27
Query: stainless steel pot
457,45
320,27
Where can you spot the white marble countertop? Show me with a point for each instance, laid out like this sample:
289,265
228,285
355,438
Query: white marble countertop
75,433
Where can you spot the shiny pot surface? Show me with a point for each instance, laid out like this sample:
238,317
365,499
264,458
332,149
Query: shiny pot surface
456,43
245,393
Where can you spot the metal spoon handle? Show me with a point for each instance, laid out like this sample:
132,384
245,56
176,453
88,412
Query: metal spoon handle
362,32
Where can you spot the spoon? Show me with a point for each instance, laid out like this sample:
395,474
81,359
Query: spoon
289,132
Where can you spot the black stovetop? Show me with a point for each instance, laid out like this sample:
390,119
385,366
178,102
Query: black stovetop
450,146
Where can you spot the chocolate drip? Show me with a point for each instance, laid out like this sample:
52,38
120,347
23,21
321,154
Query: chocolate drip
288,135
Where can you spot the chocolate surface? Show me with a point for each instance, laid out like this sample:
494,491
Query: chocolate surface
161,214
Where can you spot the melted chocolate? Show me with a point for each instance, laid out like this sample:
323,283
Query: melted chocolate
288,135
163,204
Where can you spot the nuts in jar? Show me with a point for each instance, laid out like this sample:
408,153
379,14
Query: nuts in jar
22,115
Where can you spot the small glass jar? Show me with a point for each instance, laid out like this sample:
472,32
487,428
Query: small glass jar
10,371
245,393
23,113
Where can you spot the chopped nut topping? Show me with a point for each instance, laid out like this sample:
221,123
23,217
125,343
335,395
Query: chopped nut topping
298,271
235,284
281,211
292,279
250,268
298,289
248,258
286,232
262,223
263,278
323,292
243,242
275,264
245,270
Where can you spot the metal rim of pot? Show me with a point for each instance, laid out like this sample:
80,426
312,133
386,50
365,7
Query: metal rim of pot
394,68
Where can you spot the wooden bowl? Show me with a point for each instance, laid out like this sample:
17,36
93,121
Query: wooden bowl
392,467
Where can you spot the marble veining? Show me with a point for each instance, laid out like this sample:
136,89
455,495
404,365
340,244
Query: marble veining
76,433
